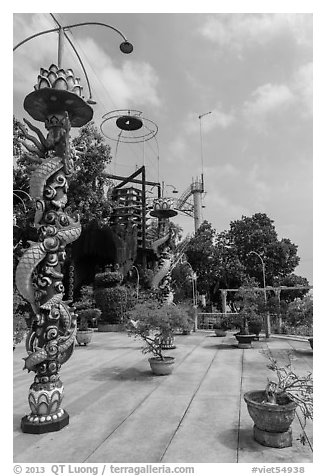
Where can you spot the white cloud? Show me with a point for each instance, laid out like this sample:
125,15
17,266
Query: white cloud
217,119
226,170
177,150
35,53
302,87
238,30
267,100
226,208
220,119
270,100
131,83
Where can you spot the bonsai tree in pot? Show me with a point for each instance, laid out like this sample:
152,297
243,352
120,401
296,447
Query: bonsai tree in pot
187,317
273,409
183,317
87,314
255,324
221,326
153,322
247,303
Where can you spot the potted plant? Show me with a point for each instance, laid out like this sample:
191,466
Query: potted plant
183,317
273,409
86,314
153,322
255,324
220,326
248,311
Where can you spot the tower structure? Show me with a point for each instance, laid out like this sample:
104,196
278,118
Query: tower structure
197,189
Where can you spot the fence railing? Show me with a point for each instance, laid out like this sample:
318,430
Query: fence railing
206,320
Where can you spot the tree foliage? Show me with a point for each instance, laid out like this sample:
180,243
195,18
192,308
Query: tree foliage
201,254
258,234
87,183
228,259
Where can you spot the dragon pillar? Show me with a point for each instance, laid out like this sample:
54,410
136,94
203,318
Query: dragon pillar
57,102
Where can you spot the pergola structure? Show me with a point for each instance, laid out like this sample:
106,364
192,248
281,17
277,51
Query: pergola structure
276,289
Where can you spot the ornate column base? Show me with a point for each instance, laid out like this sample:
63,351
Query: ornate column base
44,424
45,402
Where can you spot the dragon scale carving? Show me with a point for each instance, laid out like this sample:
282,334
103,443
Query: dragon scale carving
50,341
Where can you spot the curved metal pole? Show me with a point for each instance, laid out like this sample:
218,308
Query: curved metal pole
96,23
194,293
66,28
34,36
263,266
268,324
90,100
61,29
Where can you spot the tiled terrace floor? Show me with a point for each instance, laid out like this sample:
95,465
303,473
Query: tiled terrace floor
120,412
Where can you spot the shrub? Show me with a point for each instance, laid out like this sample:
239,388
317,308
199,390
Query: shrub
107,279
114,302
300,312
87,313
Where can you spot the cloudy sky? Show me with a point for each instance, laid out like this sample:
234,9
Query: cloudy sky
253,71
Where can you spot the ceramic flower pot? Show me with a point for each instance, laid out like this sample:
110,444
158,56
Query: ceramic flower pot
272,422
84,337
161,367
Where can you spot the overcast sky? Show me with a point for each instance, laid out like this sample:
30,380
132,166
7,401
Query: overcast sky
252,71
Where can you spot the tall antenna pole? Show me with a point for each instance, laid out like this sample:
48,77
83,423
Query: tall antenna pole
201,147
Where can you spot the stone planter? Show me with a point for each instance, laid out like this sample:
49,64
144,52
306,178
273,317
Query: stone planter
271,422
84,337
220,332
161,367
244,340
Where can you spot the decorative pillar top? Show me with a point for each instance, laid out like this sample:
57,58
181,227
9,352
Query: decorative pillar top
163,208
58,90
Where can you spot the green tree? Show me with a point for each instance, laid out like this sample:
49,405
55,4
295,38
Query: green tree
230,272
182,282
87,184
300,312
292,280
201,254
257,233
23,209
